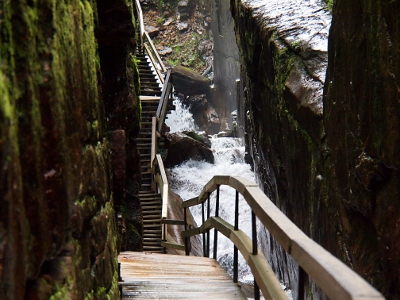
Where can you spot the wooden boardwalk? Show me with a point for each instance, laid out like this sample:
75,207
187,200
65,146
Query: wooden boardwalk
163,276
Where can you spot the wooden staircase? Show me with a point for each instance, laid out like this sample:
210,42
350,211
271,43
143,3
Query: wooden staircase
149,86
150,91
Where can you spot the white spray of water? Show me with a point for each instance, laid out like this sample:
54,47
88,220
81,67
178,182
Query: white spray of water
189,178
180,119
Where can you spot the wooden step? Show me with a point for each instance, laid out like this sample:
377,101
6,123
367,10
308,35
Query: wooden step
153,231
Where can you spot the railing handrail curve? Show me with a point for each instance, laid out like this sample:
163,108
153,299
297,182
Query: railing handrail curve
335,278
262,271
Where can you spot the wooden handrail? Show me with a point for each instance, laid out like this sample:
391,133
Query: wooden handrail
153,48
262,271
163,104
336,279
160,178
141,23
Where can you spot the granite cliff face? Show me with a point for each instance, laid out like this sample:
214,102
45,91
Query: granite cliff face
325,151
362,125
58,231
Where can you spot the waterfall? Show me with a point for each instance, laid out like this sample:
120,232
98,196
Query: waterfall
188,179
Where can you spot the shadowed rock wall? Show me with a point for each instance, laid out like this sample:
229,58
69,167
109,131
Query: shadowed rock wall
362,124
331,166
58,231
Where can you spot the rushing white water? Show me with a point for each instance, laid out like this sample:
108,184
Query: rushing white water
189,178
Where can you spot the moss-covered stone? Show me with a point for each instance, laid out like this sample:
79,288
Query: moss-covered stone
58,233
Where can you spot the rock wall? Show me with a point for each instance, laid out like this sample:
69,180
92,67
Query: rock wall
58,231
362,124
283,62
226,61
329,161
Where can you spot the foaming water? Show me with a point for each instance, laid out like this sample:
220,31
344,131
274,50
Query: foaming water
189,178
180,119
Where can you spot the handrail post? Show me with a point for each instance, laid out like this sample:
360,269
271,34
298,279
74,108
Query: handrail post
254,232
186,238
208,232
256,290
235,249
204,234
302,277
215,230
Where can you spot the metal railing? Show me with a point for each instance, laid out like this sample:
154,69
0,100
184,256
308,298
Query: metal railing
335,279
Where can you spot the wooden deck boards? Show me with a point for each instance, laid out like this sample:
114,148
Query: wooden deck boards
163,276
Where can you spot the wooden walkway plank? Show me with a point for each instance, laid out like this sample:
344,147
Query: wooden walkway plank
162,276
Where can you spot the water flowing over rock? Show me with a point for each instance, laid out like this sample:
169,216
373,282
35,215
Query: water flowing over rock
204,115
181,148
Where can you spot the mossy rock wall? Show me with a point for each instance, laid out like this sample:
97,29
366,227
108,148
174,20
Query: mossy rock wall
58,231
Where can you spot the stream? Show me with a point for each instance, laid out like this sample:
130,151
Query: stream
188,179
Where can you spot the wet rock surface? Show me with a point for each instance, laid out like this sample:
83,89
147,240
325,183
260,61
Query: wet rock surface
204,115
189,82
182,147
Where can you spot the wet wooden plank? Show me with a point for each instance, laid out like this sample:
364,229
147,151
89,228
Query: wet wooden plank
163,276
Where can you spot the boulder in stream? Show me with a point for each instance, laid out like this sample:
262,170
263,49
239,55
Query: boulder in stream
189,82
182,147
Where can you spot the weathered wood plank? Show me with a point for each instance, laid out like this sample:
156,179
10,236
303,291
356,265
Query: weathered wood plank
163,276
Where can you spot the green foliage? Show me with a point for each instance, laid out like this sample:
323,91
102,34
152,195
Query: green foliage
160,5
329,4
186,53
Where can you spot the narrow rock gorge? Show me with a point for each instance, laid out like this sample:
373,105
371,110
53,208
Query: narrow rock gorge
317,98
